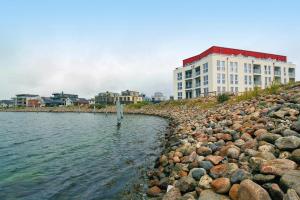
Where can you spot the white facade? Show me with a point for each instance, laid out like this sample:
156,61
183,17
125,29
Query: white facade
217,73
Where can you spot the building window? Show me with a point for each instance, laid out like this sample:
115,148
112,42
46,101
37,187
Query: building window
270,80
232,89
249,68
205,81
179,86
231,78
231,67
179,76
219,89
266,71
223,78
218,78
198,92
220,65
284,71
205,67
269,69
236,89
188,74
198,82
188,84
246,80
245,68
197,71
250,80
224,89
205,91
235,67
266,81
284,80
179,95
246,89
236,79
188,94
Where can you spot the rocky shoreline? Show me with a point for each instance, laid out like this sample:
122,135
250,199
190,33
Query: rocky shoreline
241,151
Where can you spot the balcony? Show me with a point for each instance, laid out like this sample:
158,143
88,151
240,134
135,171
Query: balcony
277,73
256,69
197,73
198,84
292,72
257,83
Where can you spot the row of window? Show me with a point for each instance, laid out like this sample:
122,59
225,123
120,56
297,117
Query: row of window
189,83
189,73
248,80
234,79
189,94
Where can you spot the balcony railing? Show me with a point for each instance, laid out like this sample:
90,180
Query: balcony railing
188,76
256,71
291,74
188,86
277,73
257,82
197,73
198,84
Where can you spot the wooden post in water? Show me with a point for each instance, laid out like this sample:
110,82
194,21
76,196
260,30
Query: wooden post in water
122,111
119,118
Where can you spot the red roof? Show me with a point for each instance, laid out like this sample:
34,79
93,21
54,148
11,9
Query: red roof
230,51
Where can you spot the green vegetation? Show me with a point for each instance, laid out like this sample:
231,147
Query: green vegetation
97,106
139,105
273,88
223,97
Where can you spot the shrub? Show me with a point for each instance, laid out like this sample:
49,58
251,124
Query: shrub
97,106
223,97
273,88
139,105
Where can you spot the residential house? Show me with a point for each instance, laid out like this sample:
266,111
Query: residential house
27,100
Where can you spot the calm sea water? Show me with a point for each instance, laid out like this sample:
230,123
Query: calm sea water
76,155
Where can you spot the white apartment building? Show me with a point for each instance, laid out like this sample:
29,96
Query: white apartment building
220,69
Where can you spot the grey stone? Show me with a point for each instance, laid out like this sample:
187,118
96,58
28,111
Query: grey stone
211,195
288,143
291,179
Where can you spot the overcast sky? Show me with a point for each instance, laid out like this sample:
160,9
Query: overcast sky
86,46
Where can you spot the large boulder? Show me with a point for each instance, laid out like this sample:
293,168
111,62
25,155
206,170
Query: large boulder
221,185
223,170
277,166
186,184
153,191
288,143
291,179
296,126
211,195
173,194
251,191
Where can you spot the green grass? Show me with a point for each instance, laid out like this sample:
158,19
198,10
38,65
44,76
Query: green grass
223,97
138,105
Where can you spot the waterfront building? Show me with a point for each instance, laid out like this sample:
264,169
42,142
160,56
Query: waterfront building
106,98
126,97
81,102
219,70
67,99
27,100
129,97
49,102
158,97
7,103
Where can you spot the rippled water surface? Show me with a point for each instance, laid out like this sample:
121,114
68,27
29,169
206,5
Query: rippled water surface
75,155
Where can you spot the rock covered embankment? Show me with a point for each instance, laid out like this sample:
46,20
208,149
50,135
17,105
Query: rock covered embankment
249,150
